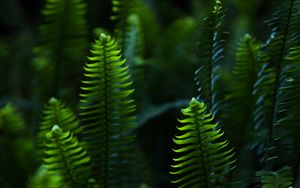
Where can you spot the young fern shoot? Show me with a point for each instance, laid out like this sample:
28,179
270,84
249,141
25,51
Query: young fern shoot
56,112
107,114
202,157
66,158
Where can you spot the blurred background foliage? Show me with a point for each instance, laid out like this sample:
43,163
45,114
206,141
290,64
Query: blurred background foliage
164,72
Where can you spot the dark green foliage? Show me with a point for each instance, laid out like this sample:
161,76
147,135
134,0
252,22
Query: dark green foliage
203,158
16,149
107,113
281,178
241,98
133,49
56,113
66,158
210,50
251,82
121,9
62,45
253,93
293,106
284,36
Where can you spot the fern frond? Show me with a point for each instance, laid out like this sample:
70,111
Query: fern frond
203,157
107,113
56,113
284,35
42,179
16,147
281,178
133,46
134,54
293,105
210,52
63,41
121,9
66,158
241,99
11,121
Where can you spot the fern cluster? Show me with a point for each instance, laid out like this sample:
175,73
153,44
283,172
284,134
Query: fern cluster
241,128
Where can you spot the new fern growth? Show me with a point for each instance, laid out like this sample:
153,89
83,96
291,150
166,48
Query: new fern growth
66,158
106,113
202,156
56,113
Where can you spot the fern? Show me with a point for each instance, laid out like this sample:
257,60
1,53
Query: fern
11,121
121,9
42,179
62,42
107,113
16,148
281,178
133,49
284,35
56,113
210,53
134,54
202,157
242,99
293,93
66,158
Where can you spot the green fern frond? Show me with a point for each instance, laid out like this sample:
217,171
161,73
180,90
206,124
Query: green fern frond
134,47
16,147
56,113
11,121
134,54
66,158
62,41
203,158
42,179
210,50
281,178
249,60
107,113
121,9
